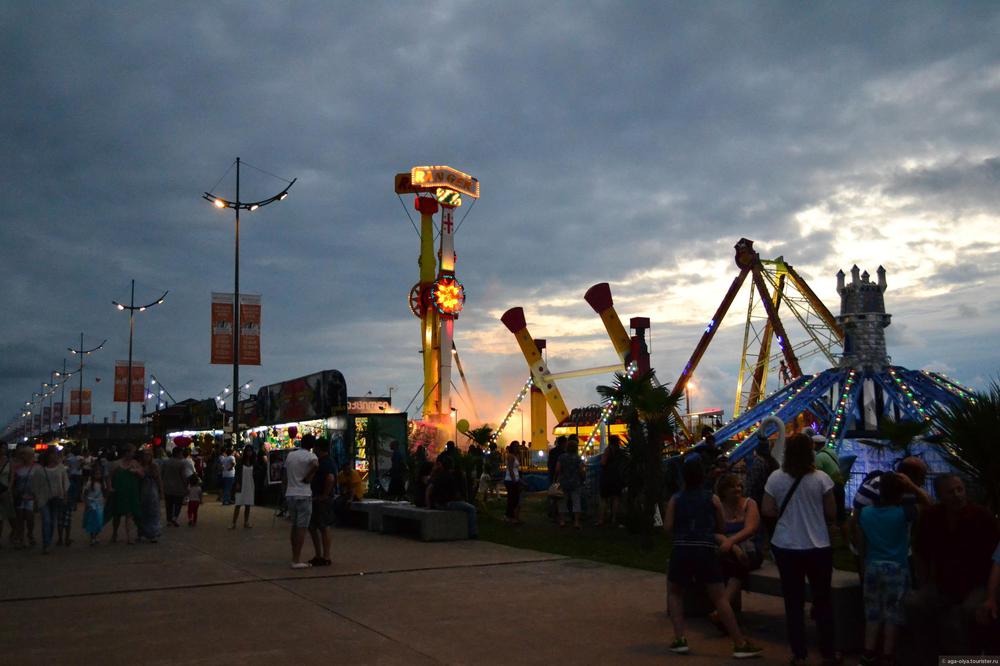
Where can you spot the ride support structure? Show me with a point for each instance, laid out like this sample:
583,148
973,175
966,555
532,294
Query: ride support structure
438,297
632,352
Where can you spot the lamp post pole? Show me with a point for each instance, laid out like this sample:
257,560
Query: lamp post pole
234,430
132,309
250,206
81,352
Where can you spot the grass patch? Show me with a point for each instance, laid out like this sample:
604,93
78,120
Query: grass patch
611,545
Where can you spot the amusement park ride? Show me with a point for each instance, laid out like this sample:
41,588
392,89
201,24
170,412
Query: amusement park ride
438,298
847,403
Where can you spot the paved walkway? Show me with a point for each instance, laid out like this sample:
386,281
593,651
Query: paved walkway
214,596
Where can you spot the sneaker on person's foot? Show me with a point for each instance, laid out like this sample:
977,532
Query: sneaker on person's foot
679,646
300,565
746,650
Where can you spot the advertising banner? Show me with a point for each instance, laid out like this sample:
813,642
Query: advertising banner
315,396
57,412
79,405
36,423
138,381
47,417
222,328
249,329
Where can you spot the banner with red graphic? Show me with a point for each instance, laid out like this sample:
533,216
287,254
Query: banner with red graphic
79,404
222,328
249,329
138,381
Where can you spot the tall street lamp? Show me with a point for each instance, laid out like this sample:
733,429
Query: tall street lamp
63,378
132,309
237,206
81,352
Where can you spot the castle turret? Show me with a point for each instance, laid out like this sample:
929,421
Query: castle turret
863,317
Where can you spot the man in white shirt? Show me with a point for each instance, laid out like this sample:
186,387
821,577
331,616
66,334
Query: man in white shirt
300,466
228,475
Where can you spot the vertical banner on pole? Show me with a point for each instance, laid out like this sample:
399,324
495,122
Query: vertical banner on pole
57,412
121,381
36,423
249,329
79,405
222,328
47,417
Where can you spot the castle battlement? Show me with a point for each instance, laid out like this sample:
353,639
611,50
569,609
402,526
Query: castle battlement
863,317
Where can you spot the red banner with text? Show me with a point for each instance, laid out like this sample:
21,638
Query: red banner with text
250,329
222,329
138,381
79,403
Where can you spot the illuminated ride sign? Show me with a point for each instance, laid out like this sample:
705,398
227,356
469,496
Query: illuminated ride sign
448,296
444,176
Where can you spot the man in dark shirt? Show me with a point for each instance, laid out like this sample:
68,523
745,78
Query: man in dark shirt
322,484
953,545
444,491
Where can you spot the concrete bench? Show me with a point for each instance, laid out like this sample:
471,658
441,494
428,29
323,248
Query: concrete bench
848,604
367,514
428,524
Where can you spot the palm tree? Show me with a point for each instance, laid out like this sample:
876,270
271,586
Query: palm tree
900,434
970,431
647,409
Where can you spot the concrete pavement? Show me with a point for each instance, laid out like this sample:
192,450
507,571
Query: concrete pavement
214,596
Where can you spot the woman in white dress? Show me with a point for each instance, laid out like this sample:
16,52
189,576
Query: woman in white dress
244,487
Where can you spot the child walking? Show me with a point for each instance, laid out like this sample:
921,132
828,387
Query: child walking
884,543
93,497
194,499
694,516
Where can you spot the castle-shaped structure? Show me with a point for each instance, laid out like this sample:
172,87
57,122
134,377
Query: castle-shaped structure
863,318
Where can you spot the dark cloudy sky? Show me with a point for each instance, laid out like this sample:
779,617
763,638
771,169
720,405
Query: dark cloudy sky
633,143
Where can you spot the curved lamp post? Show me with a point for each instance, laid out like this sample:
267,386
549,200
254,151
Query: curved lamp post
237,206
81,352
132,309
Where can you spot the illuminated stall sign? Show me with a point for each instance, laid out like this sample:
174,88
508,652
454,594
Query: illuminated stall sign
444,176
368,405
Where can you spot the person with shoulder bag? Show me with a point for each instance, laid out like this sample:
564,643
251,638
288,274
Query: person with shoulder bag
799,499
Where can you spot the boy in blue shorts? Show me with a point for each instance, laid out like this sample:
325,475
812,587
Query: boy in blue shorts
884,541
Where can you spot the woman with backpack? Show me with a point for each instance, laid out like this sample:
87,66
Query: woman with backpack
799,498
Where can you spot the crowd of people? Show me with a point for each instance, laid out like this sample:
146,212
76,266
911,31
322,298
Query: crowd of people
930,568
929,563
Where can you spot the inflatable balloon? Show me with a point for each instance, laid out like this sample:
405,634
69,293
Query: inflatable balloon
462,425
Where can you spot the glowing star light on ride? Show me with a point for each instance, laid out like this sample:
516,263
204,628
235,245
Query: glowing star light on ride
448,296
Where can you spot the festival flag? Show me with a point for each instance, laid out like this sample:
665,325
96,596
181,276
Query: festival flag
138,381
249,329
57,412
79,404
46,417
222,328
